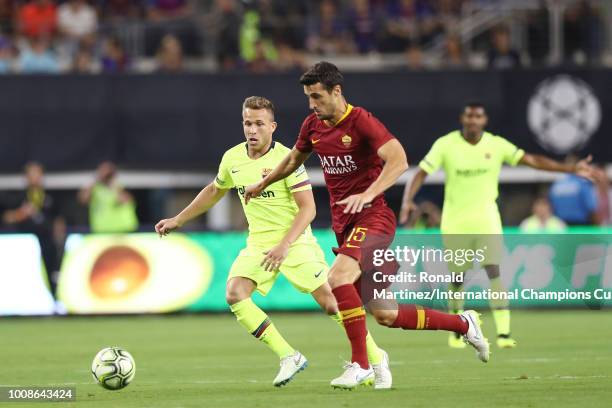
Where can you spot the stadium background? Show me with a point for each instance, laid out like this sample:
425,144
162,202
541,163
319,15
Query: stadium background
155,86
166,113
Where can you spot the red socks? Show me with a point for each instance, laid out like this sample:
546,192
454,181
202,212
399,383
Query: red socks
415,317
354,320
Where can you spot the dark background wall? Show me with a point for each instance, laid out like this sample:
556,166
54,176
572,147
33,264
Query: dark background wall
188,121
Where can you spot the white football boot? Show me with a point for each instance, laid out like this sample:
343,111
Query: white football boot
474,336
289,367
382,374
353,376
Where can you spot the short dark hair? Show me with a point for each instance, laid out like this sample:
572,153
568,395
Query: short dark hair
258,102
474,104
325,73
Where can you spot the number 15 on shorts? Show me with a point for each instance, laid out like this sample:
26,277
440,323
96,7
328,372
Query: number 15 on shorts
356,237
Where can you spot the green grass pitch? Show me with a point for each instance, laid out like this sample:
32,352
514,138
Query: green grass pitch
564,359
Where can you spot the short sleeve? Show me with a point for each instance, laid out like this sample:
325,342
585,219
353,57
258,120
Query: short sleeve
510,153
303,143
298,180
433,159
373,130
224,180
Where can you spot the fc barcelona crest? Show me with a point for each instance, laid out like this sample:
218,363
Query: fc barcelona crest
265,172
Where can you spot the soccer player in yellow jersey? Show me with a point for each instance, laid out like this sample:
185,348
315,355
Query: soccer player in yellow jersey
472,159
280,239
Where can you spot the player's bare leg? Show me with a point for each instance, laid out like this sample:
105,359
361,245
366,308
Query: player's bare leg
500,309
256,321
342,274
377,357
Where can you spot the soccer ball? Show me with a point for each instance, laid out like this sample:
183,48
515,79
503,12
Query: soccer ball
113,368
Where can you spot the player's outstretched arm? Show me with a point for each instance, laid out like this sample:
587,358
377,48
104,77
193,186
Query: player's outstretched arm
290,163
205,200
582,168
410,191
306,213
396,163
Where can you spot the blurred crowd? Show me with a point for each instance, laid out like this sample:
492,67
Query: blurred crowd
113,36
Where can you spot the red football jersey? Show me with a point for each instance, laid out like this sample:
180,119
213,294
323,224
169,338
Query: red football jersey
348,155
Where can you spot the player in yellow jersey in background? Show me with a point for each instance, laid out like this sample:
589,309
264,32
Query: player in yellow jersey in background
472,159
280,239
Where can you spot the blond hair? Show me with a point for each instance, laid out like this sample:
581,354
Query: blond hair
257,103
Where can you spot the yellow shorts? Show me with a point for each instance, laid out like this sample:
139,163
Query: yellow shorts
486,249
305,267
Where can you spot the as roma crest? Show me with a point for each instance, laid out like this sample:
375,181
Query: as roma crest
346,140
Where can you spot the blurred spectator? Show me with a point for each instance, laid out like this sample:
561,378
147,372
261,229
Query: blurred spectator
84,63
400,25
501,55
364,26
38,18
448,14
225,17
328,32
160,10
76,19
293,22
538,32
454,57
118,10
542,218
7,55
604,193
114,58
574,199
170,55
250,36
262,61
582,32
289,59
429,23
7,16
414,58
271,16
37,214
111,208
38,58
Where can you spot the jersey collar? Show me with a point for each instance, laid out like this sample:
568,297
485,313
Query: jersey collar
246,146
349,109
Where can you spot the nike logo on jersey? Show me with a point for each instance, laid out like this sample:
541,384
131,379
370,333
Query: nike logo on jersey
318,274
315,141
235,171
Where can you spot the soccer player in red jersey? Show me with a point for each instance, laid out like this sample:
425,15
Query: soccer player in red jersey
360,159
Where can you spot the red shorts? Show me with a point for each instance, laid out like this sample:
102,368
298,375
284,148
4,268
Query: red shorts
373,229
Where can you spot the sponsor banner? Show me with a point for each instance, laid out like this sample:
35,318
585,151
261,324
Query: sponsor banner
141,273
24,289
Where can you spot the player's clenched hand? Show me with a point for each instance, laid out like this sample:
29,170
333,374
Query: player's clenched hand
585,169
164,227
405,212
355,203
275,257
252,191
